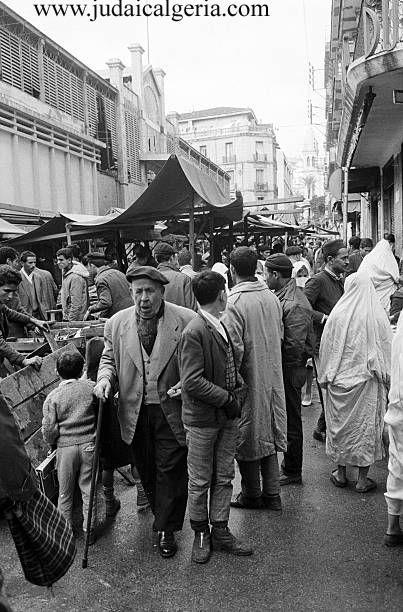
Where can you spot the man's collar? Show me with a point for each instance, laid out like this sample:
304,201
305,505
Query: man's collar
332,274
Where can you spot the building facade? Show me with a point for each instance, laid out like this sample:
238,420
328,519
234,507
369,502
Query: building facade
247,150
75,140
365,111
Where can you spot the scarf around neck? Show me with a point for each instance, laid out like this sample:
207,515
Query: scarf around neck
148,328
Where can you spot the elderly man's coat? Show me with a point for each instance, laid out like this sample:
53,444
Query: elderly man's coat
254,321
122,359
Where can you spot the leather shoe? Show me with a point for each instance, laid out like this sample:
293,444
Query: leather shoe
250,503
286,479
167,544
201,550
319,435
393,539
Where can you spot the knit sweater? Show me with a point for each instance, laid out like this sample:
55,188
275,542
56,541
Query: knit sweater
69,414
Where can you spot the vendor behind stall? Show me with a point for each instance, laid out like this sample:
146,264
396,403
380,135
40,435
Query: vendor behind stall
113,289
9,281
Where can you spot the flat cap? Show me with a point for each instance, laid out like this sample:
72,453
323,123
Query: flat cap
134,272
163,248
332,247
279,262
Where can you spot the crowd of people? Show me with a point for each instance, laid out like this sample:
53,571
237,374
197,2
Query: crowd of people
212,366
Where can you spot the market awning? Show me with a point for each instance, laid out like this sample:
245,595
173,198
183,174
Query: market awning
9,228
177,187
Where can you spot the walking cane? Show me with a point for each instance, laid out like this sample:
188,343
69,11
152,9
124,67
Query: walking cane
93,482
318,385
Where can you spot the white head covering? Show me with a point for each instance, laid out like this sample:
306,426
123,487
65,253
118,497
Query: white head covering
381,267
356,340
297,266
222,269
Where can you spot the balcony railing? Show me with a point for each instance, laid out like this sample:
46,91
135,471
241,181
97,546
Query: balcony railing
261,187
260,157
380,27
229,159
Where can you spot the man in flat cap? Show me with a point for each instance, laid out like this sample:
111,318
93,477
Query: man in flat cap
298,346
113,289
179,289
254,322
323,291
141,353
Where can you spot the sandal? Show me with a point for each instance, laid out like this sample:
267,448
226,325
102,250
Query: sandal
369,487
337,483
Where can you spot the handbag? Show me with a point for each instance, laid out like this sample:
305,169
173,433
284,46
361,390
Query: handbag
43,538
46,474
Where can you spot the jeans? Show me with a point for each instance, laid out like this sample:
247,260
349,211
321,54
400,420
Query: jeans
161,463
211,452
74,462
268,468
294,379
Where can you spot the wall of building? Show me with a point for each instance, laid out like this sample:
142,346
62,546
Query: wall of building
45,160
245,149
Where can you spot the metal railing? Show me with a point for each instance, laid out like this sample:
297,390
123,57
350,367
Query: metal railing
260,157
380,27
261,186
229,159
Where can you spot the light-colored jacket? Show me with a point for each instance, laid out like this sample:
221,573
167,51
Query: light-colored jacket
254,321
74,293
122,360
179,289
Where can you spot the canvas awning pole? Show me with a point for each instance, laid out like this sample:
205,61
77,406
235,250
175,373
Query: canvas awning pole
68,234
345,203
192,227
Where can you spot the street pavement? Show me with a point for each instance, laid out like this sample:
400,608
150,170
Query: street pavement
324,553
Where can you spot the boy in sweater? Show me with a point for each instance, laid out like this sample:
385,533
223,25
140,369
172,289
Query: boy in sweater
69,422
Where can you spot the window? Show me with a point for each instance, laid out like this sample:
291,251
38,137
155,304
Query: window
259,146
259,176
203,150
229,150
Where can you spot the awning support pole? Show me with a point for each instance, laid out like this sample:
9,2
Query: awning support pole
68,234
192,229
345,203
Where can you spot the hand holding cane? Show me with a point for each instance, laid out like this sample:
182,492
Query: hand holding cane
94,472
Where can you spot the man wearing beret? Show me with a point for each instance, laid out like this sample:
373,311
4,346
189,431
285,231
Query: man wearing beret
254,321
141,353
323,291
179,289
112,287
298,346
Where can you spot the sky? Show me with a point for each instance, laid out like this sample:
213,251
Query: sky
255,62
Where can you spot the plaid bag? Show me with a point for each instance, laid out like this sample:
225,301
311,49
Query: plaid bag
43,539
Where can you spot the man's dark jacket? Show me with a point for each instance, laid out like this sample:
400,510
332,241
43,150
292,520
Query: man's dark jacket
299,336
323,292
113,292
6,351
202,365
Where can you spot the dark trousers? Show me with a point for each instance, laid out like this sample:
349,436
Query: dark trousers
162,465
321,424
294,380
